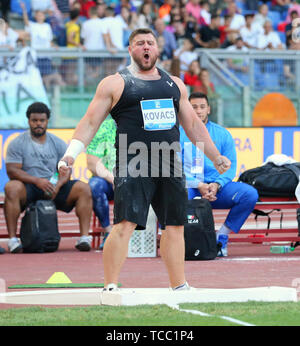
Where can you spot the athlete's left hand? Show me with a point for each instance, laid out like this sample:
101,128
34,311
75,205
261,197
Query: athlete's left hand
222,164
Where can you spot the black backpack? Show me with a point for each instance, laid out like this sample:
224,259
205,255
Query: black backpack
199,231
39,227
271,180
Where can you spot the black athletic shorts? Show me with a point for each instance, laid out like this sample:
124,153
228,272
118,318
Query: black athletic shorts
133,196
34,194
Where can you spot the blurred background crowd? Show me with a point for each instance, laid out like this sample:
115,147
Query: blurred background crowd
183,27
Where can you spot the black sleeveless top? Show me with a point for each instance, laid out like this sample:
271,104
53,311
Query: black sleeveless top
146,115
128,111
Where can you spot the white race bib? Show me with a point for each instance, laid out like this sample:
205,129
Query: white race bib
158,114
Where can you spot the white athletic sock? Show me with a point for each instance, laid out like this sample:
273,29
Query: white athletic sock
223,230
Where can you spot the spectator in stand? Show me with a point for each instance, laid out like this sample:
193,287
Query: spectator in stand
209,35
238,20
5,8
205,86
64,7
144,18
269,39
85,6
216,6
280,6
164,11
193,8
239,66
180,32
130,20
56,20
175,15
190,22
100,8
73,30
76,5
204,13
93,34
73,41
262,16
125,3
41,37
171,44
289,27
93,31
116,28
293,7
170,26
227,35
186,54
154,8
10,37
251,31
192,75
289,67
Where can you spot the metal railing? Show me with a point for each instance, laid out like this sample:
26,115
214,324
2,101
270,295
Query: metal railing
73,76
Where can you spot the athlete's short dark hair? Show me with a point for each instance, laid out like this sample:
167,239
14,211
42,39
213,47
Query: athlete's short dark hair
140,31
38,107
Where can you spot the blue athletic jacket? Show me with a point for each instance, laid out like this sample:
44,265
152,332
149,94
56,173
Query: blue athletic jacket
226,146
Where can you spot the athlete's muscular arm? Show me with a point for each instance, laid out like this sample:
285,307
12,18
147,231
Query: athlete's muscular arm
107,94
105,98
196,130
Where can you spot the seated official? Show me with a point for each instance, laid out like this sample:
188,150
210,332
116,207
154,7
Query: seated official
101,158
219,189
31,160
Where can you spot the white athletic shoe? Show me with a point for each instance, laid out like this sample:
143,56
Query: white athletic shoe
183,287
110,288
84,243
14,245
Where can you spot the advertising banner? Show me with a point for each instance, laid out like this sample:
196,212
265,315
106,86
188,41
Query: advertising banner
20,85
253,146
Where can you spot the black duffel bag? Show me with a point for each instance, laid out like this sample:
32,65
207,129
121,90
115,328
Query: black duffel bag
199,231
271,180
39,227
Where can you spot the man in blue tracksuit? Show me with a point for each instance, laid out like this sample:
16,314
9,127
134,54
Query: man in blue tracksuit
220,190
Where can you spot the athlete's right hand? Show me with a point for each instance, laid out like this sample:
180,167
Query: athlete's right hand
65,166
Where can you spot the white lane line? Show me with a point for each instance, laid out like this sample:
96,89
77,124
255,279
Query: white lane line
204,314
273,258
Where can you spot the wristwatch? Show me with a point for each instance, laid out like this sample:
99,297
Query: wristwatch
219,187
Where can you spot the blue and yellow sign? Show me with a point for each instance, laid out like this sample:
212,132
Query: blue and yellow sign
253,146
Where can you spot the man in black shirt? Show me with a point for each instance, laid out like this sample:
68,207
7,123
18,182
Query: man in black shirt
208,36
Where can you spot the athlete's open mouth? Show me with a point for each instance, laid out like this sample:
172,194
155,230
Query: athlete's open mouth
146,56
